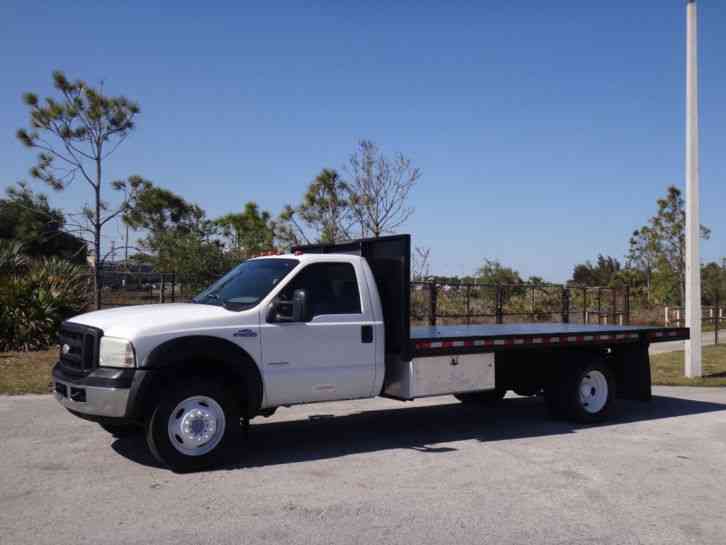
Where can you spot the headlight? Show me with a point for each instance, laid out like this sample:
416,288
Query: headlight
116,352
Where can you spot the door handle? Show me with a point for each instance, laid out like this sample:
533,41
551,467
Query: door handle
366,334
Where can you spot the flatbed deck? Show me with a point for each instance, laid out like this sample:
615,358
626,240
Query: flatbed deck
467,338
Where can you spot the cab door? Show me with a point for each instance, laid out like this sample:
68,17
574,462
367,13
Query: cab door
331,354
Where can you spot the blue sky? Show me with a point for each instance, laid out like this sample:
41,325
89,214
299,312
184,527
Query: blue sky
545,130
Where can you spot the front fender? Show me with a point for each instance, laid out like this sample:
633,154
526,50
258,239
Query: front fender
184,355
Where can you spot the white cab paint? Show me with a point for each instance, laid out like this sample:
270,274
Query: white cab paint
324,359
148,326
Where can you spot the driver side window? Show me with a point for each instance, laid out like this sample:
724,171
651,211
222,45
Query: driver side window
331,288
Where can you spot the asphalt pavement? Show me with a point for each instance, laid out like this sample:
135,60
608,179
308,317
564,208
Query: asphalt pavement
380,471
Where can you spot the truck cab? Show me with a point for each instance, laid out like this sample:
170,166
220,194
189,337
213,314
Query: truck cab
275,331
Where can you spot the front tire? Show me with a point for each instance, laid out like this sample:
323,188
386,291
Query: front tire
193,425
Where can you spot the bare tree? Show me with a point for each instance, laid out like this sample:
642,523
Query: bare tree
75,133
379,187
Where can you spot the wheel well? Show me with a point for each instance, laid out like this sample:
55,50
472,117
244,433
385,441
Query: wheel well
534,369
199,357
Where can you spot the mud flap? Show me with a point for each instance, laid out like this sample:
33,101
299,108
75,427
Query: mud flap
632,365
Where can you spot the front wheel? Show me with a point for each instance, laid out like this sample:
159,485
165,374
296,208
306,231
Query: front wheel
192,425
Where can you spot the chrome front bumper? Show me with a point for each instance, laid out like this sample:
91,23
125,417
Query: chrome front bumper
91,400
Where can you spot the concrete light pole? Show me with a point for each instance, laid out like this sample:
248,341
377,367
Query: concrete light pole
693,362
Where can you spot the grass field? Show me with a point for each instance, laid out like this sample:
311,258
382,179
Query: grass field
29,372
26,372
667,369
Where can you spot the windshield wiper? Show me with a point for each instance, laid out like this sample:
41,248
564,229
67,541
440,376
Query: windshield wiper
205,299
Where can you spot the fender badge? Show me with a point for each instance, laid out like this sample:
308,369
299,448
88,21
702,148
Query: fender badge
244,333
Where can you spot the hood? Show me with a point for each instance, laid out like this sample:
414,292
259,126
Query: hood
142,320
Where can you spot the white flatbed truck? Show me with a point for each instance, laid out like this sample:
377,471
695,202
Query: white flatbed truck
323,323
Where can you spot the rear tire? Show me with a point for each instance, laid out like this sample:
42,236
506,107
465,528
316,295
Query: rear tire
585,393
485,398
193,425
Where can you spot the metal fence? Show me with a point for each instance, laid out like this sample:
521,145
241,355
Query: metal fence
125,288
713,317
466,303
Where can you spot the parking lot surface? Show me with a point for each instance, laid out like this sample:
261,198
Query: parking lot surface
380,471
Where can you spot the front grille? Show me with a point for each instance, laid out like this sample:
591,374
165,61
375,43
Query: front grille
78,347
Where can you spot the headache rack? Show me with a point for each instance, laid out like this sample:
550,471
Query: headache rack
78,347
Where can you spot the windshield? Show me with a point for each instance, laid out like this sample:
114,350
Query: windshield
247,284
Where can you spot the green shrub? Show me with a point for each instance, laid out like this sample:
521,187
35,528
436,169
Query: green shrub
35,297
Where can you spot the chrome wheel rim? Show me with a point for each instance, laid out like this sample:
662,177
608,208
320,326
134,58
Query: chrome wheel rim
593,391
196,425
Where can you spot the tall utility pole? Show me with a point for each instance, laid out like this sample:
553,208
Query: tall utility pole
693,362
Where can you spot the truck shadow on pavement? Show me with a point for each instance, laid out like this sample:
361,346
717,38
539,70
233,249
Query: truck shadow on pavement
425,429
